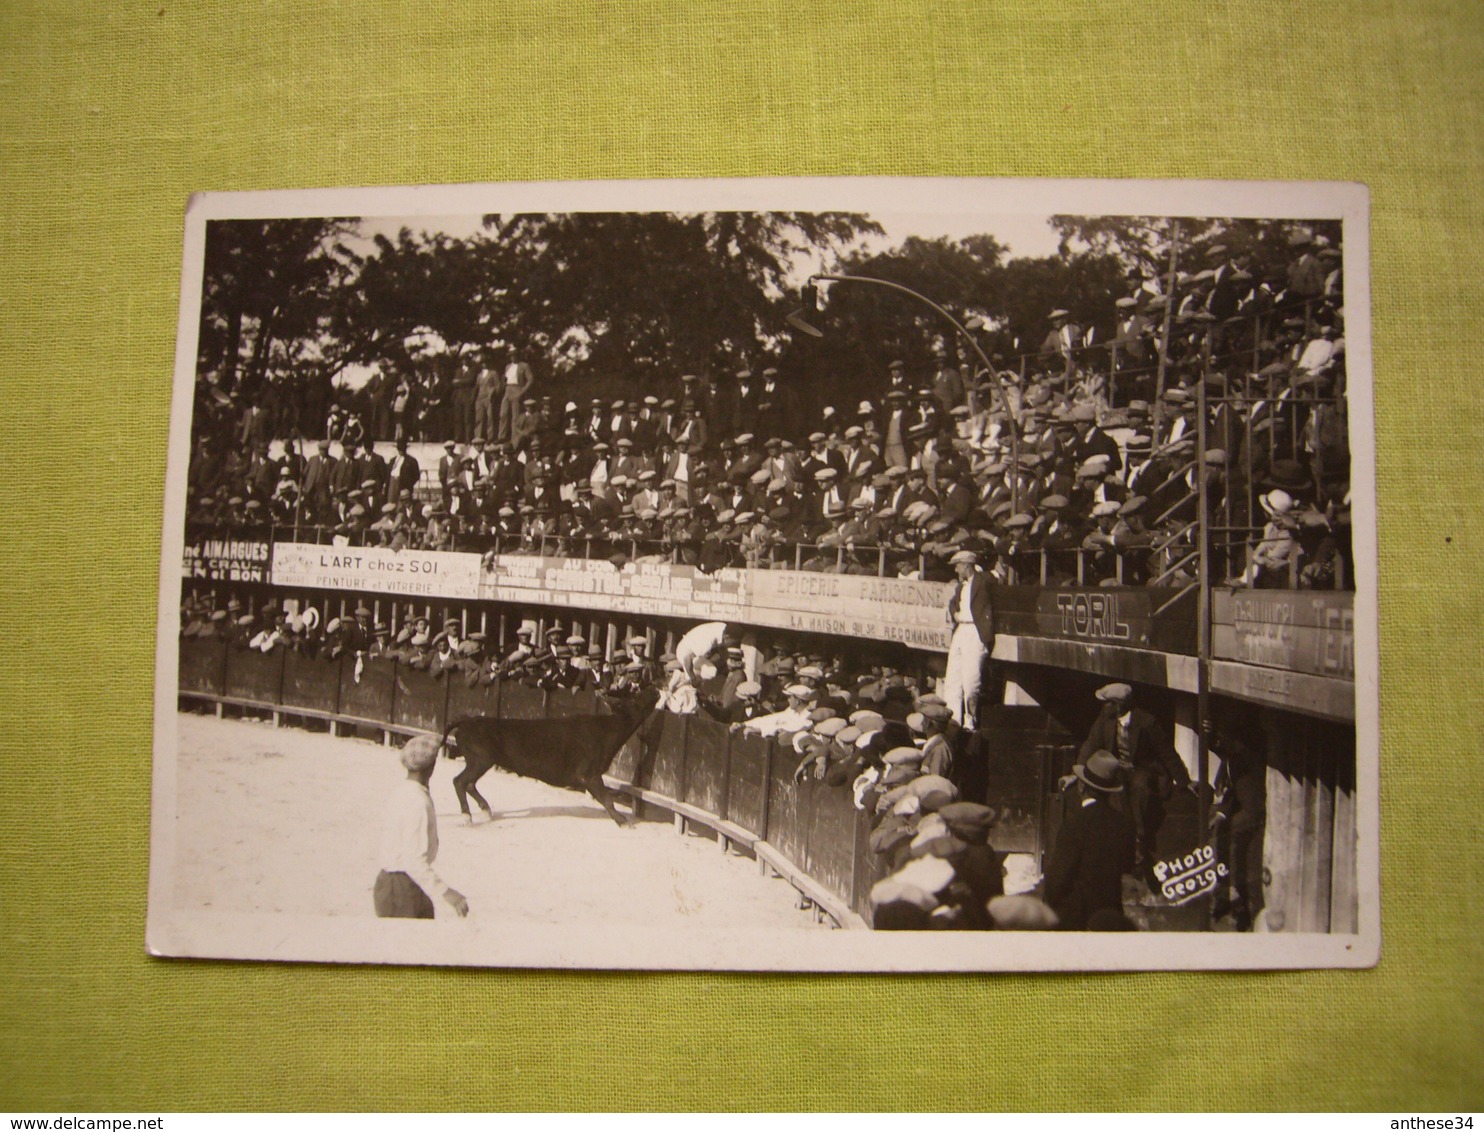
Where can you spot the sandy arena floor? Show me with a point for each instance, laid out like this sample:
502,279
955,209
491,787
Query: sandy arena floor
285,820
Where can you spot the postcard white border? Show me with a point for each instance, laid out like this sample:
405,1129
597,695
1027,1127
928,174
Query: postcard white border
174,932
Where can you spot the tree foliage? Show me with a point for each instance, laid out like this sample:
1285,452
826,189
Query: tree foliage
597,302
266,282
646,296
1141,244
973,279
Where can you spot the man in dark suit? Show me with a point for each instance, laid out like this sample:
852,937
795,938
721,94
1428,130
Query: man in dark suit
746,460
345,473
627,463
371,464
1094,848
948,381
319,471
448,470
1150,759
690,432
465,377
714,401
256,427
777,407
820,456
620,424
402,473
262,472
525,425
357,632
595,428
541,494
1227,284
645,428
506,474
955,494
743,416
915,490
1092,441
857,451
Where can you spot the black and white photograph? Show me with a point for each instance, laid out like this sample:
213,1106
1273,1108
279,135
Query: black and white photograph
857,575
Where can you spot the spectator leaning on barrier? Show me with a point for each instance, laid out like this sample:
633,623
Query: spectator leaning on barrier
794,717
679,695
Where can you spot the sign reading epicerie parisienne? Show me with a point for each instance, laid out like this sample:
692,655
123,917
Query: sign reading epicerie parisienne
887,609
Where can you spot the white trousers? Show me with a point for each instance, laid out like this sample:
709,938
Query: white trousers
965,668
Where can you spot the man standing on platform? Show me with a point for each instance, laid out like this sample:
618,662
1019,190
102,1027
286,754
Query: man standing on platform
1063,340
319,472
464,393
448,471
948,381
487,385
971,621
518,380
402,474
409,843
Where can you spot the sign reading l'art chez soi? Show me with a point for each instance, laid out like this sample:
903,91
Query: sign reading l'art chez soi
893,609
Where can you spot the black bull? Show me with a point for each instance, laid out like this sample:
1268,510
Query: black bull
572,753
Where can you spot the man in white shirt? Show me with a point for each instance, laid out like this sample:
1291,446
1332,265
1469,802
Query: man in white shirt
409,843
970,618
699,642
1318,352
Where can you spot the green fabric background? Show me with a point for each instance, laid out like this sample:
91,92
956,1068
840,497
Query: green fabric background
111,114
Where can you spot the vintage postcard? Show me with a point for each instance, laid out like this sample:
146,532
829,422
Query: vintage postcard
841,575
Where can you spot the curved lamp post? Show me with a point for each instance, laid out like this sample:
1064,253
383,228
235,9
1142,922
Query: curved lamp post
810,296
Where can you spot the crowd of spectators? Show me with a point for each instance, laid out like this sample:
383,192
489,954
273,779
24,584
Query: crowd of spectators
1097,485
730,680
1079,464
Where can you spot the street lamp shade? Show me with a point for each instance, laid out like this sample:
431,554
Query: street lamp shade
796,320
809,296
